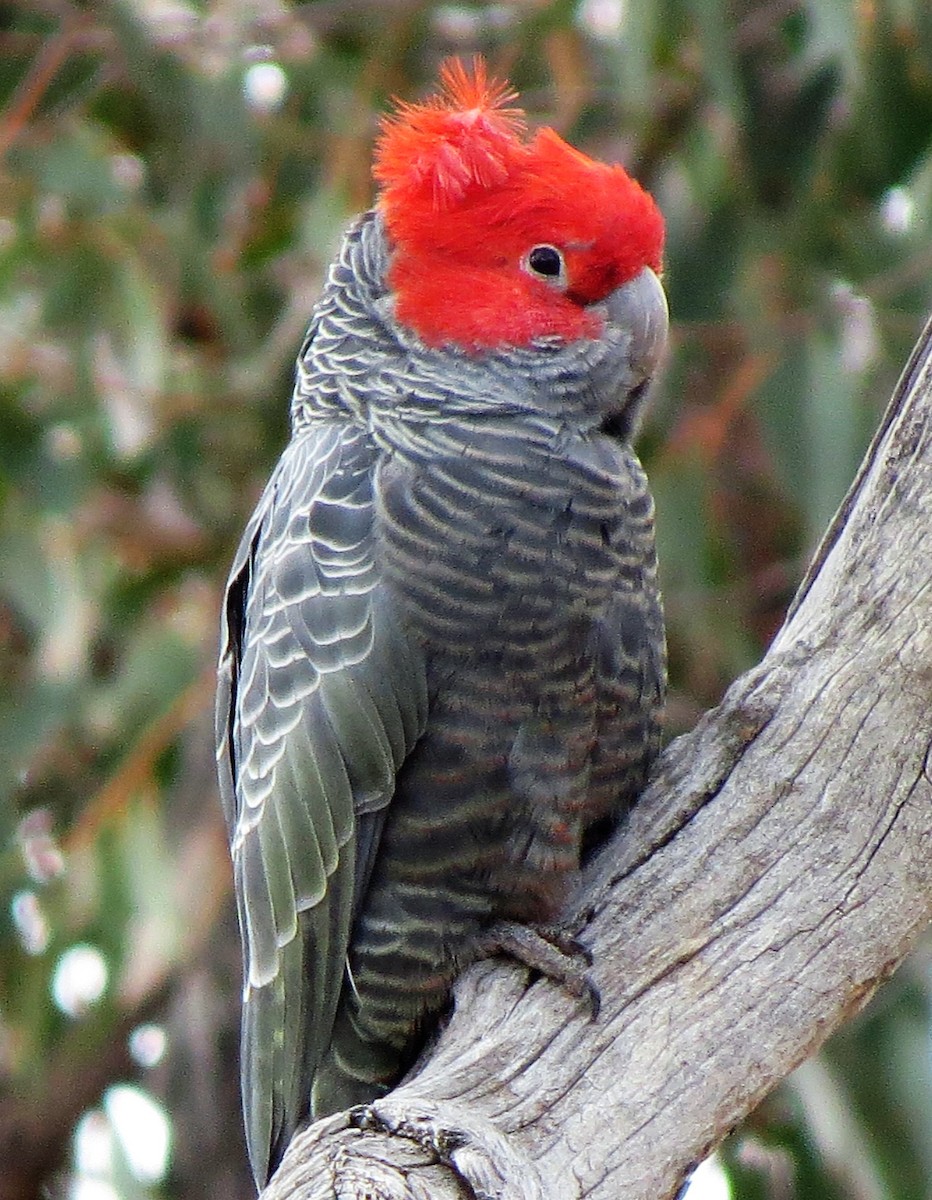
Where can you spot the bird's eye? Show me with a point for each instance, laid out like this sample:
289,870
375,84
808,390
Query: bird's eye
546,261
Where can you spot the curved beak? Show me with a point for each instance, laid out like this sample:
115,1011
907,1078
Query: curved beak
639,308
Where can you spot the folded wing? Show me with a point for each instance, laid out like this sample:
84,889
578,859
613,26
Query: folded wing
321,698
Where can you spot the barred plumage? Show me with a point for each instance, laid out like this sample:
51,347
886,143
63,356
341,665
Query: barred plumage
442,662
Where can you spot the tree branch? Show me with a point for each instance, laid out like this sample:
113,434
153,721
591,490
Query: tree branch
777,870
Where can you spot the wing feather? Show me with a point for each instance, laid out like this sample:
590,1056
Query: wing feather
320,698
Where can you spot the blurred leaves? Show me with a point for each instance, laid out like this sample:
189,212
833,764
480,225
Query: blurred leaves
166,218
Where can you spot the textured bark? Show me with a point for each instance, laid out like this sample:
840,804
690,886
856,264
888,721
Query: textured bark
777,870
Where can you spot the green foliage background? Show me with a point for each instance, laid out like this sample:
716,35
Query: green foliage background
162,239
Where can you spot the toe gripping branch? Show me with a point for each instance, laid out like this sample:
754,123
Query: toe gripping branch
487,1164
551,952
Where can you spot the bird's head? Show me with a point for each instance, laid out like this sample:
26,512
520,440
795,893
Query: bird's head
501,240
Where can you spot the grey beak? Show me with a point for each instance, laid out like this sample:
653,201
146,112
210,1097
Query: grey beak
639,307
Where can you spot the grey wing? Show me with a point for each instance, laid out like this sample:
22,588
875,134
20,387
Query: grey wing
320,698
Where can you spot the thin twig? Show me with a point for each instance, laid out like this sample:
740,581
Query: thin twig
46,65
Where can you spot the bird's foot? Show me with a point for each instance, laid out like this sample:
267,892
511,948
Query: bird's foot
490,1165
550,951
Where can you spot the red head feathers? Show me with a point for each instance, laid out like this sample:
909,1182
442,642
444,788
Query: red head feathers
498,239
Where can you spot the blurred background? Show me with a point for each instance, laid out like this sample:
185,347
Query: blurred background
174,178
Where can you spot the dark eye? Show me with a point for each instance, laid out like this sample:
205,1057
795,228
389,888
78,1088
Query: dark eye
546,260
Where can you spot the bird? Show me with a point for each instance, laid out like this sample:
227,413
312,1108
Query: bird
442,659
